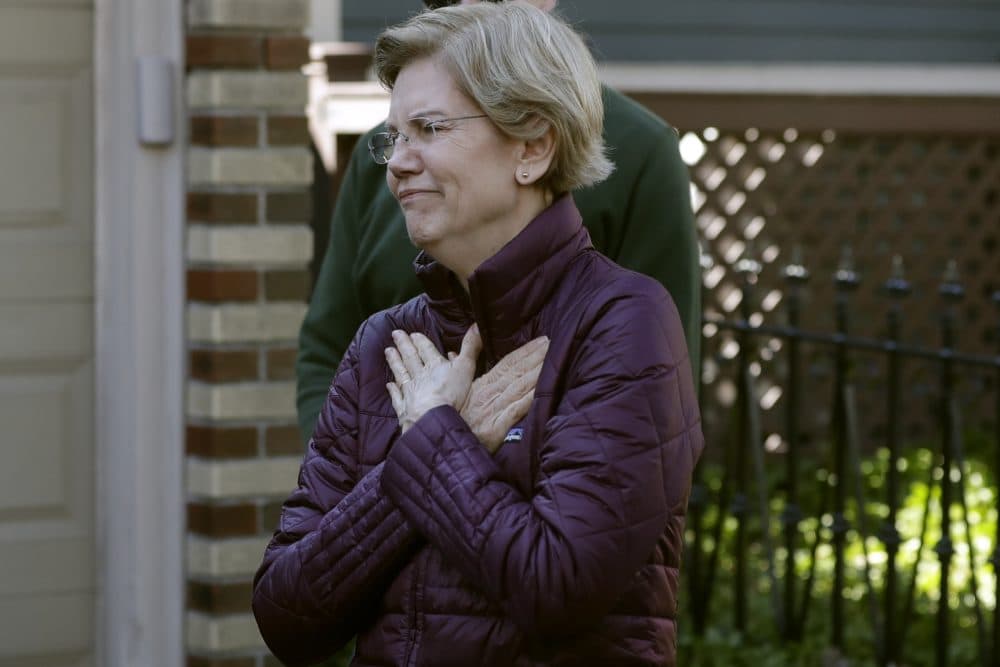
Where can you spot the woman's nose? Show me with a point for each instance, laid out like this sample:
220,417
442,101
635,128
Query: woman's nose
404,157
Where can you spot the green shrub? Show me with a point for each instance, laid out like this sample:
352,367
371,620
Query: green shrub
918,514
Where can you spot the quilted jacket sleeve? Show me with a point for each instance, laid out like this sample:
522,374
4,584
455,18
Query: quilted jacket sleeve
615,466
338,543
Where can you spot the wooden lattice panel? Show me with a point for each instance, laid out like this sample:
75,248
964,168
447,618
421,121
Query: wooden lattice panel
926,198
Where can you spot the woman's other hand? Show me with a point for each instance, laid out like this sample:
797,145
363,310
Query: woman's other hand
501,398
425,379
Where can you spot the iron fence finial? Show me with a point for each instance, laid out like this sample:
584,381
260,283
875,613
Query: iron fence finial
795,272
846,277
747,266
951,289
897,285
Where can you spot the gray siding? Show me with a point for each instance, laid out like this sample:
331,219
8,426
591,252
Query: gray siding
935,31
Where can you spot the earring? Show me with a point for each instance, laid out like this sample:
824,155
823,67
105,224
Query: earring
524,174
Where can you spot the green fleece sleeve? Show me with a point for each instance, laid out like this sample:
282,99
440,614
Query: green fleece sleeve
334,313
660,238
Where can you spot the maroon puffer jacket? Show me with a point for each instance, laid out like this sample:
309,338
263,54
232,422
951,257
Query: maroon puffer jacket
564,547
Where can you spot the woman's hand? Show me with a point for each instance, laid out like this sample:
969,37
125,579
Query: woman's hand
501,398
425,379
491,405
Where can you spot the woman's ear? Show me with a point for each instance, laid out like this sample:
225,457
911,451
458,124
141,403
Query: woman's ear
536,156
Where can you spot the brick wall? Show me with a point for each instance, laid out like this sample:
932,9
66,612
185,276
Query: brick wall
248,248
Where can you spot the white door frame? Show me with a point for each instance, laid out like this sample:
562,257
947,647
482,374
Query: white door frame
140,364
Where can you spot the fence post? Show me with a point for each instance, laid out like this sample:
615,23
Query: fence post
748,270
897,287
795,275
847,280
952,293
698,500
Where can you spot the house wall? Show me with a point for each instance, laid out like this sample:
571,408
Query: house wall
248,247
939,31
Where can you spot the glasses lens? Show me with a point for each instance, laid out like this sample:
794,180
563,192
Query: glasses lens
381,147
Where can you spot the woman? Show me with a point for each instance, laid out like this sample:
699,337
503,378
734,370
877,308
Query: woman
548,531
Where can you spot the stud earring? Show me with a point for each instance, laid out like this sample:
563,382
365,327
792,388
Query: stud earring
524,174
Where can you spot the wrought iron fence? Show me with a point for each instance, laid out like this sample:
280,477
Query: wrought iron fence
787,536
931,196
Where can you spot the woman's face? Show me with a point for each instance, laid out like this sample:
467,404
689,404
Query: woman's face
455,179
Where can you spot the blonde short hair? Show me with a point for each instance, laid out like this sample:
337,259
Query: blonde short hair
526,69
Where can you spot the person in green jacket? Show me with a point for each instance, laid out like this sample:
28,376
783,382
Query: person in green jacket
640,217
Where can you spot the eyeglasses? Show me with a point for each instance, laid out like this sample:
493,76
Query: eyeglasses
382,145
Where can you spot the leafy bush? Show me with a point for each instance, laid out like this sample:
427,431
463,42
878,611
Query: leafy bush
918,515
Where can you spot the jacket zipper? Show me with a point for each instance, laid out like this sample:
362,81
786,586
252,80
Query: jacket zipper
479,315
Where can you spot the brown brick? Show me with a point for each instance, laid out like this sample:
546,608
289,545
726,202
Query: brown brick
288,131
214,598
289,207
224,131
270,514
243,51
347,61
219,285
224,208
198,661
216,442
286,52
281,363
283,441
286,285
224,365
222,520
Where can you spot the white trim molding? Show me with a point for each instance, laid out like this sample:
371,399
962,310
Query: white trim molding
875,79
139,305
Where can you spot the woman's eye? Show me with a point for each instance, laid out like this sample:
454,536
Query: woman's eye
429,129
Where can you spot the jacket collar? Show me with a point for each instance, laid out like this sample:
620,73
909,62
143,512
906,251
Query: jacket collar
508,290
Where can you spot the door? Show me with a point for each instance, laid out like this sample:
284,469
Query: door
47,582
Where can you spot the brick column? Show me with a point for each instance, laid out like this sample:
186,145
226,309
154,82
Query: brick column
248,249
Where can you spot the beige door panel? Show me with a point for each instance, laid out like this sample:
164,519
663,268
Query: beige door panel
47,582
